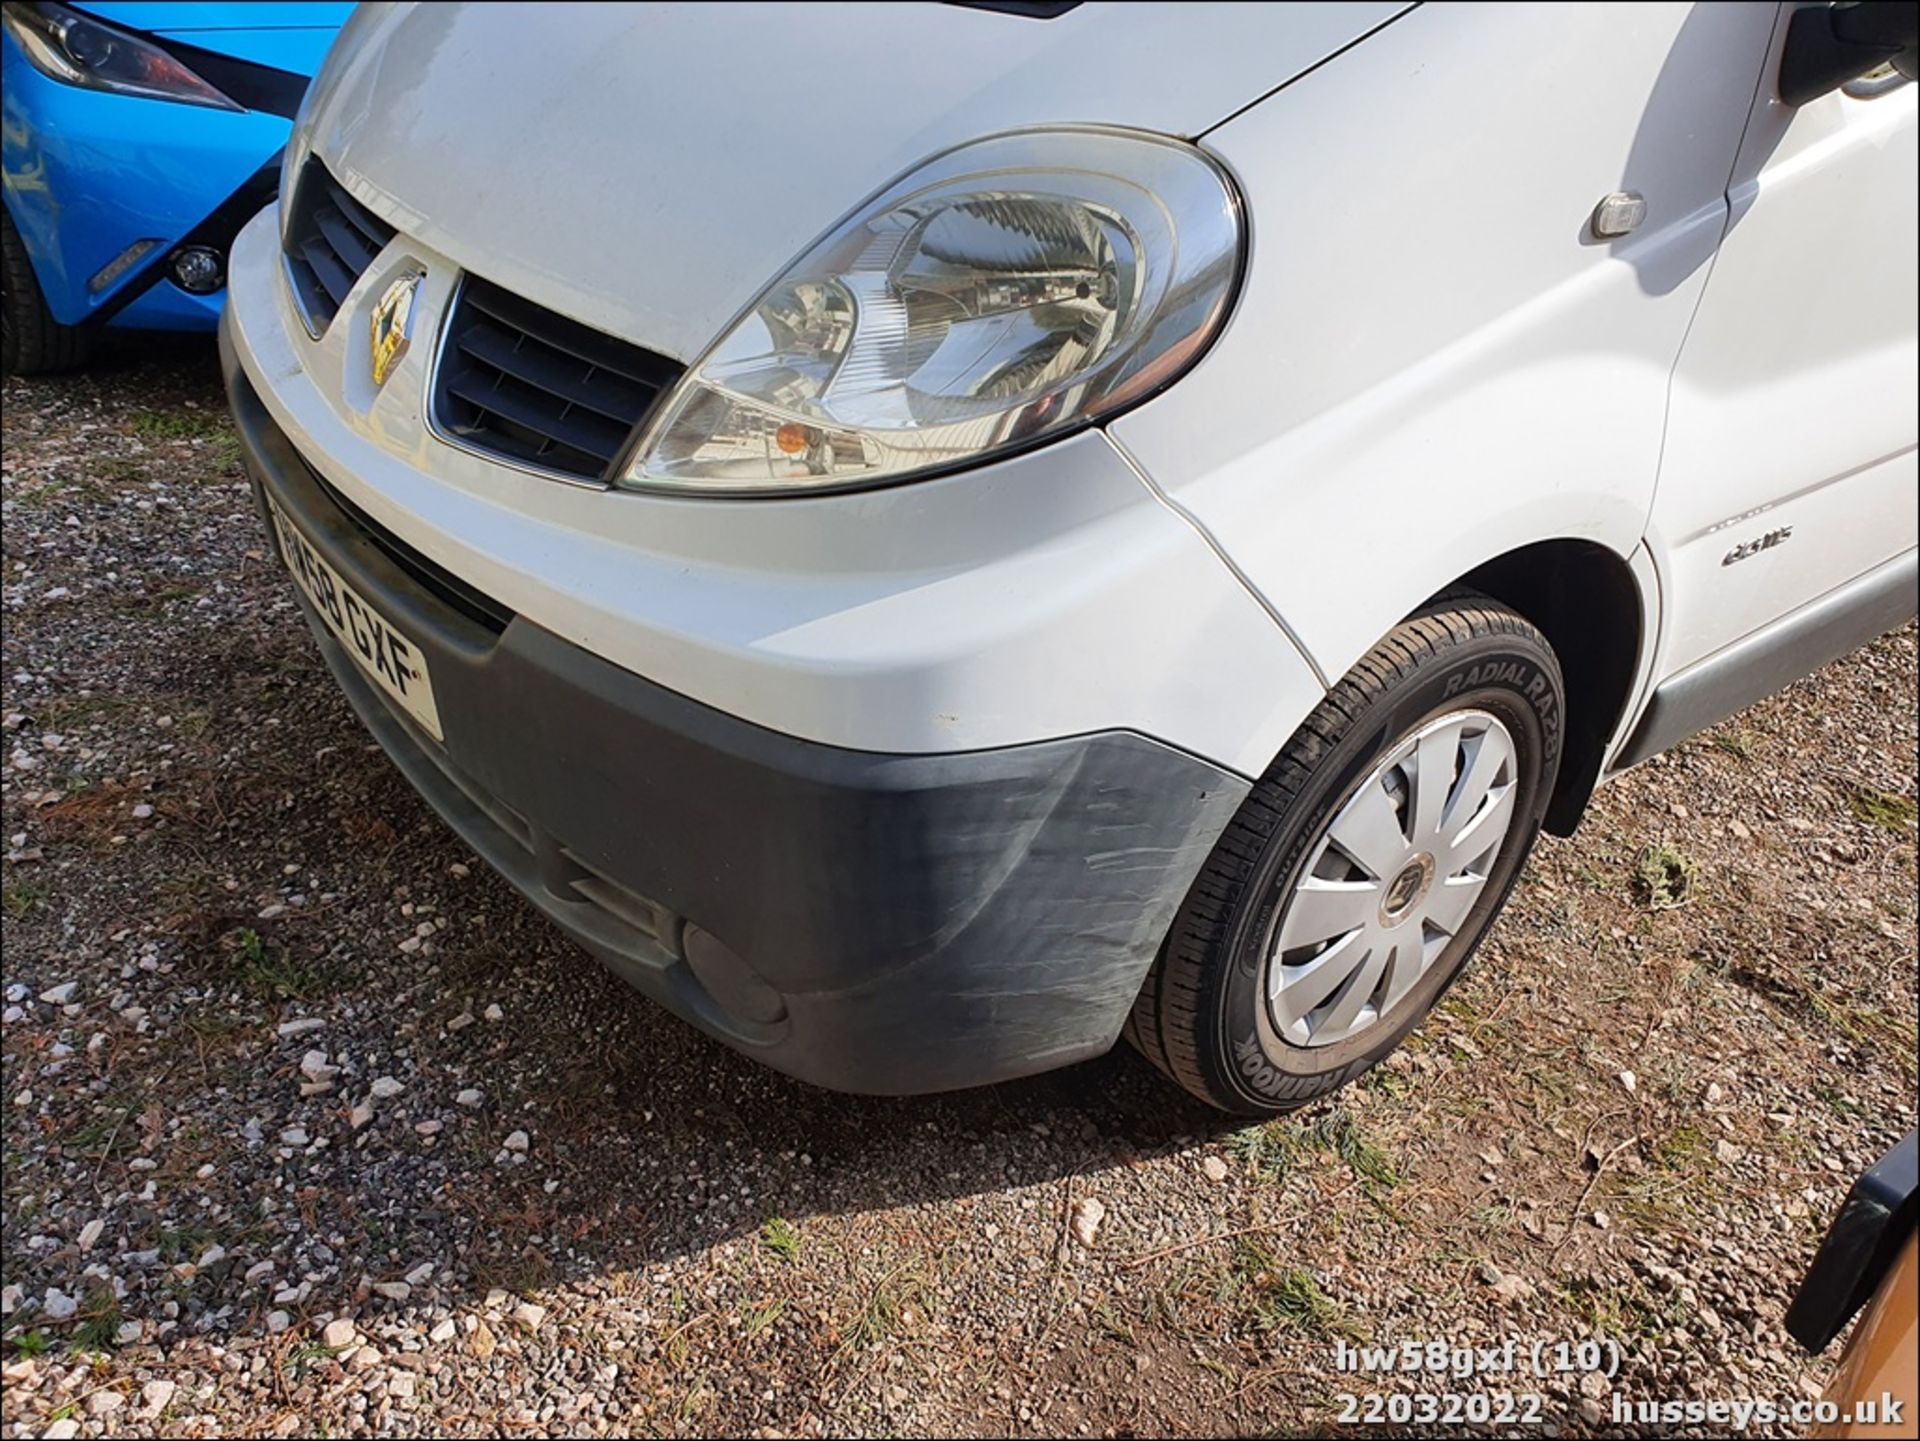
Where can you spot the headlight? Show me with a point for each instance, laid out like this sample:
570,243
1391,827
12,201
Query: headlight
80,50
1003,293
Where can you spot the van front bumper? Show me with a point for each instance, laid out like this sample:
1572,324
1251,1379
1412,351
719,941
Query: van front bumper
864,921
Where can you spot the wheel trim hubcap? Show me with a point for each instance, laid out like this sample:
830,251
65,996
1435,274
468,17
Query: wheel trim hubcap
1391,879
1402,895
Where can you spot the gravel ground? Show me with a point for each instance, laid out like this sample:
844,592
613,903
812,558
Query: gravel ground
312,1127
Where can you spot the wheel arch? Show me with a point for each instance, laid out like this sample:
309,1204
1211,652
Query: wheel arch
1585,598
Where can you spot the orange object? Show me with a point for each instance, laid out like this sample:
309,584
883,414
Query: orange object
1881,1355
793,437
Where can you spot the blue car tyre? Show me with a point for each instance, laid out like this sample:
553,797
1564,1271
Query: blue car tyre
35,343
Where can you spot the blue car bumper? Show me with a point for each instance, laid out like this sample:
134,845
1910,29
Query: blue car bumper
89,174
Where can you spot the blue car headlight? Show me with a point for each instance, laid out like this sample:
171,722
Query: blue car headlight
77,49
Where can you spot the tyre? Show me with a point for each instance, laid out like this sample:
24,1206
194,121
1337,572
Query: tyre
1359,874
34,342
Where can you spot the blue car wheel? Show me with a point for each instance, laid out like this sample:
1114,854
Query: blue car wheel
34,342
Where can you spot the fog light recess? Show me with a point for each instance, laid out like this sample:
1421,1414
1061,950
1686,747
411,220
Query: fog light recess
729,980
198,270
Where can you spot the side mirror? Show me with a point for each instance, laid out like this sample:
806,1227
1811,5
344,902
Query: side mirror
1828,45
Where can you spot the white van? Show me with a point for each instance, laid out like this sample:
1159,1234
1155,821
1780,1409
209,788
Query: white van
930,537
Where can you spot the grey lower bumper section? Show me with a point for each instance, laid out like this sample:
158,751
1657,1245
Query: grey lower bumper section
874,923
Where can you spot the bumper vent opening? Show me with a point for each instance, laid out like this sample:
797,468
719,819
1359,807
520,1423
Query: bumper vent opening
331,239
648,917
525,384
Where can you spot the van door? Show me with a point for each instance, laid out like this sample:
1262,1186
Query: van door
1788,470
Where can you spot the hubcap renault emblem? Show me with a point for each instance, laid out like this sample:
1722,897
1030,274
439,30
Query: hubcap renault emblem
1404,889
1407,890
392,325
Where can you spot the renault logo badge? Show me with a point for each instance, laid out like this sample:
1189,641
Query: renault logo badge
392,325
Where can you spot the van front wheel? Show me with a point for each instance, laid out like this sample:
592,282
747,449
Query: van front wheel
1364,867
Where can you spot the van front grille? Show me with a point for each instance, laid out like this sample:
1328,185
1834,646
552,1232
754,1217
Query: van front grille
331,239
531,386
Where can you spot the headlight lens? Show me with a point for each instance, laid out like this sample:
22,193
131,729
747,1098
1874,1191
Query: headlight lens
80,50
1006,291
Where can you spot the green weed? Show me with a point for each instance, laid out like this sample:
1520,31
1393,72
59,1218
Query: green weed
225,451
303,1358
1268,1151
122,470
1880,808
100,1319
1339,1133
758,1318
1740,743
779,1237
110,1129
268,972
1665,877
1280,1297
176,424
879,1315
1620,1311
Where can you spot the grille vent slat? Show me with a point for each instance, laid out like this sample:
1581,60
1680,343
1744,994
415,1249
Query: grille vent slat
331,239
531,386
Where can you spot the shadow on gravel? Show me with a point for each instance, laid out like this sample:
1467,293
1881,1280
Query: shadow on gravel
644,1143
657,1171
188,358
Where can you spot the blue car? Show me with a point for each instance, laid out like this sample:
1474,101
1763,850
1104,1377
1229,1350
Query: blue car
137,139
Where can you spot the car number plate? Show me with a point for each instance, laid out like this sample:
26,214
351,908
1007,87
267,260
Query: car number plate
384,655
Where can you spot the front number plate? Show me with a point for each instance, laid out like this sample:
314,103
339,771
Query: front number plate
386,657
